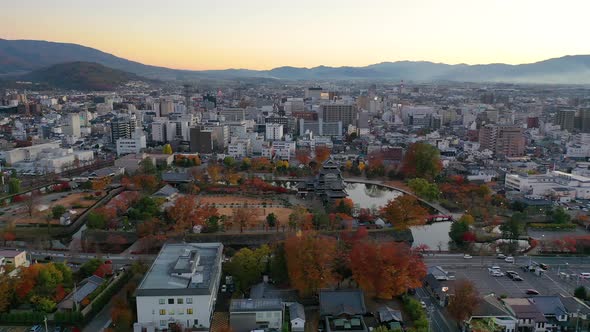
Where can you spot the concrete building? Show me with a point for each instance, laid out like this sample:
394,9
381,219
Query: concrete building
339,112
565,119
510,141
72,127
283,150
15,257
207,139
240,148
274,131
321,128
556,184
166,107
121,127
131,145
180,287
247,315
294,105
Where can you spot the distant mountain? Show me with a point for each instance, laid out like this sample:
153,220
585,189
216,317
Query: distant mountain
81,76
22,56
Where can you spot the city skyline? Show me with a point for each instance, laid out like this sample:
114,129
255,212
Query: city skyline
263,34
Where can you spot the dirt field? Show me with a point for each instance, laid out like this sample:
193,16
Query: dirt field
261,210
18,212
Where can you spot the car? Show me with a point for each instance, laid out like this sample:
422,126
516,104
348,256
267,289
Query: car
423,304
36,328
467,256
501,256
495,267
48,258
509,259
108,262
223,288
584,275
496,273
532,292
511,274
544,266
517,278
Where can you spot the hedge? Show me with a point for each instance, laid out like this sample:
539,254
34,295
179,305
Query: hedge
70,317
24,317
549,226
101,300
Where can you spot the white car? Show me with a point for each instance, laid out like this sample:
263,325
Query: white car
423,304
509,259
467,256
496,273
223,288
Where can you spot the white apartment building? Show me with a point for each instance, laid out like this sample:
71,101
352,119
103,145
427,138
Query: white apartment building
131,145
559,184
180,287
274,132
240,148
72,127
284,150
28,153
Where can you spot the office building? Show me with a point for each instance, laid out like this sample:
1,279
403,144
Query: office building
131,145
166,107
585,121
339,111
207,139
510,141
121,127
320,128
565,119
72,127
180,288
274,131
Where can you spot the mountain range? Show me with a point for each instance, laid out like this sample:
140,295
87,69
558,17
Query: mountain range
19,57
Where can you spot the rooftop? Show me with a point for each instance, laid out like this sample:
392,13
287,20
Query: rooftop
173,273
255,305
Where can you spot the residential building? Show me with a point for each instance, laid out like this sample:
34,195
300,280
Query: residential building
72,127
528,316
565,119
321,128
121,127
491,308
240,148
180,287
15,257
297,317
247,315
131,145
343,310
274,131
343,112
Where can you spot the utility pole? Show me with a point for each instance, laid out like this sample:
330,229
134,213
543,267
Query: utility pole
45,321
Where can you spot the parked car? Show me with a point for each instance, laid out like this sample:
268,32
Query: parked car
544,266
585,275
497,273
467,256
511,274
423,304
532,292
108,262
509,259
223,288
36,328
517,278
501,256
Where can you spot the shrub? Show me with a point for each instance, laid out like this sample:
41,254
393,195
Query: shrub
549,227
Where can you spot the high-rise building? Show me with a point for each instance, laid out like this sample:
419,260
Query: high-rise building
73,125
532,122
339,111
274,131
121,128
166,107
565,119
585,120
487,137
510,141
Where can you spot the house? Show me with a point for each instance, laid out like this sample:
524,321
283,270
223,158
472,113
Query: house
342,310
264,290
529,317
490,308
180,288
14,257
75,298
578,312
297,317
176,177
246,315
553,310
167,192
390,318
65,219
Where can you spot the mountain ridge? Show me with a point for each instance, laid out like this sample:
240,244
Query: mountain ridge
23,56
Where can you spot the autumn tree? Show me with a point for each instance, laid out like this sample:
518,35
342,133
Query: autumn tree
214,172
244,217
247,266
421,160
403,212
322,154
167,149
121,315
309,262
271,220
300,219
424,189
186,213
303,156
6,292
464,302
386,269
343,205
14,186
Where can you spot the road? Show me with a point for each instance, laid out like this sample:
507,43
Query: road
118,260
438,322
102,320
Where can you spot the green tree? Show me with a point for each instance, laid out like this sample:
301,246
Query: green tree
229,162
167,149
147,166
581,293
512,228
458,230
57,211
424,189
95,221
87,269
14,186
278,264
421,160
248,265
559,216
271,220
44,304
6,292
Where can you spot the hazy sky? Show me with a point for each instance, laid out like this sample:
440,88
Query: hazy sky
262,34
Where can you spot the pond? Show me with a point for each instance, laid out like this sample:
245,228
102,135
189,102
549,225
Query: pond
371,196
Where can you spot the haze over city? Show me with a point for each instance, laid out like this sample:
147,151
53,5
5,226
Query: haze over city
264,34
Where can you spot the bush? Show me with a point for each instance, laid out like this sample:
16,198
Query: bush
27,317
581,293
550,227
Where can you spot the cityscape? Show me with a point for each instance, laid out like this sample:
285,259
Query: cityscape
243,185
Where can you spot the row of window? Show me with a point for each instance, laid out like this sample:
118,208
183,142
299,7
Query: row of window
189,311
189,300
165,322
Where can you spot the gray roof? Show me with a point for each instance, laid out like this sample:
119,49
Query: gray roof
265,290
296,310
386,314
549,305
572,305
91,284
176,177
489,306
199,261
241,305
166,191
337,302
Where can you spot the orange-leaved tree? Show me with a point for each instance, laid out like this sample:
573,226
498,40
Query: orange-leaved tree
310,259
322,154
404,211
464,301
387,269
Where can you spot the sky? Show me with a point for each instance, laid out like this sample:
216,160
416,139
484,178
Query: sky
264,34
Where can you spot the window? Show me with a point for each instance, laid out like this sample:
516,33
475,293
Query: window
162,311
179,301
162,301
196,322
163,322
180,311
189,311
189,300
171,312
170,301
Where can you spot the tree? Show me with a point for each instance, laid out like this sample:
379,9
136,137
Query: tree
403,212
121,315
343,205
167,149
248,265
322,154
146,166
87,269
14,186
424,189
214,172
244,217
485,325
464,302
186,213
421,160
229,162
580,292
6,292
31,202
278,264
458,231
467,218
271,220
95,220
302,156
8,236
512,228
309,262
559,216
57,211
387,269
